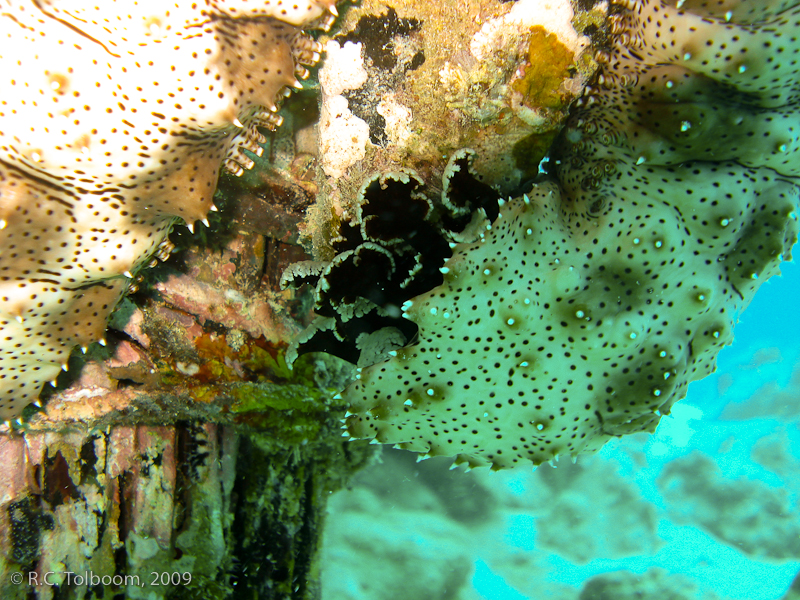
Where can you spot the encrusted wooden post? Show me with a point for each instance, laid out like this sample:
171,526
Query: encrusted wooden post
184,459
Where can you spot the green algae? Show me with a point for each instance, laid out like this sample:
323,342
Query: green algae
286,396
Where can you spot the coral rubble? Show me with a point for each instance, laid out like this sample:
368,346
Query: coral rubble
654,583
759,521
585,309
114,121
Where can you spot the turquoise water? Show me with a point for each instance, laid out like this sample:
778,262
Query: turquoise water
771,321
713,528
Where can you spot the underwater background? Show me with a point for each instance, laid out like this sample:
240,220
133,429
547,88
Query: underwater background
179,440
704,509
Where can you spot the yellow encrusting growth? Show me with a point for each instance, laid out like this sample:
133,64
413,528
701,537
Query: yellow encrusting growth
115,118
547,67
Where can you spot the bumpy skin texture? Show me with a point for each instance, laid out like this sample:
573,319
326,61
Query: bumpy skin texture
588,307
115,118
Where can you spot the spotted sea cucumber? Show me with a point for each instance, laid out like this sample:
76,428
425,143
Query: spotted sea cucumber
585,309
115,118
